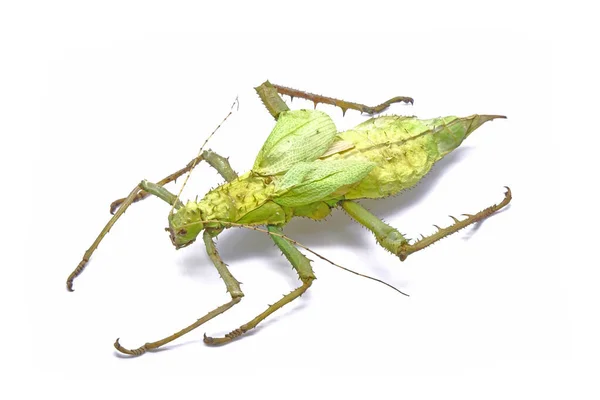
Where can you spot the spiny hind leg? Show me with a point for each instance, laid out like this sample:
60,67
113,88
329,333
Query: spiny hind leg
455,227
344,105
220,163
271,99
392,240
233,288
300,263
387,236
147,187
270,95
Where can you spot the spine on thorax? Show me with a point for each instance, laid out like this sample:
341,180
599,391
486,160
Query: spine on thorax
249,200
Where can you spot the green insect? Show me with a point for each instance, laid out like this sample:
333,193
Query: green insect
305,168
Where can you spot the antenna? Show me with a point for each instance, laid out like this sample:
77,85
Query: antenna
235,103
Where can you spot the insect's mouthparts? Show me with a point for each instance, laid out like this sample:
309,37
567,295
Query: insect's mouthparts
171,235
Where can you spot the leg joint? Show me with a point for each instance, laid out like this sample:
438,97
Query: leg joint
221,164
308,280
392,240
236,295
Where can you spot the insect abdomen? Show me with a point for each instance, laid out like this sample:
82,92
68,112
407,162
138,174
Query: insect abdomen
404,149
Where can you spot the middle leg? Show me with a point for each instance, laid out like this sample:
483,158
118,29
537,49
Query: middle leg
300,263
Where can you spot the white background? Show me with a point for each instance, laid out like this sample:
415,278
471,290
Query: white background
97,97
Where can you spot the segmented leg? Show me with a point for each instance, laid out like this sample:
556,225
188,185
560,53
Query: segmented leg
300,263
220,163
271,99
144,185
233,288
392,240
344,105
387,236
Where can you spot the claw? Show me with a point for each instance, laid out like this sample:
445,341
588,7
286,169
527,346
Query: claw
115,205
211,341
225,339
208,339
134,352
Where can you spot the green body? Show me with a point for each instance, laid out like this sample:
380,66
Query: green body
306,167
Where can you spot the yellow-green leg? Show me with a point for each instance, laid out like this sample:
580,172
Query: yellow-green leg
233,288
392,240
300,263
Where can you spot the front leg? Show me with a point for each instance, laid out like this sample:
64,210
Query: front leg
220,163
233,288
147,187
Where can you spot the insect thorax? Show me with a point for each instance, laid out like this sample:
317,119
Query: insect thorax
246,200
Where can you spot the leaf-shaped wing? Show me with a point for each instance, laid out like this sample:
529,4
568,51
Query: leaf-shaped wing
306,183
300,135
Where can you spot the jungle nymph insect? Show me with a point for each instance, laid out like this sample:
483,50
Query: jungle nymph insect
305,168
